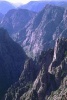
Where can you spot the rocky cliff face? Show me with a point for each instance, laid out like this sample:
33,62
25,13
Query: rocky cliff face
49,81
28,75
26,79
12,58
43,29
61,93
46,77
50,75
15,19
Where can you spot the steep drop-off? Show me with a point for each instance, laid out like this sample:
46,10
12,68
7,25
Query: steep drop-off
12,58
51,72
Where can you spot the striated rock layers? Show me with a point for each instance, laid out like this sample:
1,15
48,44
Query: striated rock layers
50,76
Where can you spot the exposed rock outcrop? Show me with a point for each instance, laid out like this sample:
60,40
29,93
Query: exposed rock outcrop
61,93
48,74
46,82
42,29
26,79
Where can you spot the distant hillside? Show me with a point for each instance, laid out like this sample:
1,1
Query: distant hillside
39,5
15,19
5,7
1,16
34,5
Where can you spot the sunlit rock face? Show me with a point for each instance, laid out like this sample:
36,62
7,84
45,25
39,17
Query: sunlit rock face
36,32
44,39
60,48
48,81
41,32
28,76
38,80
